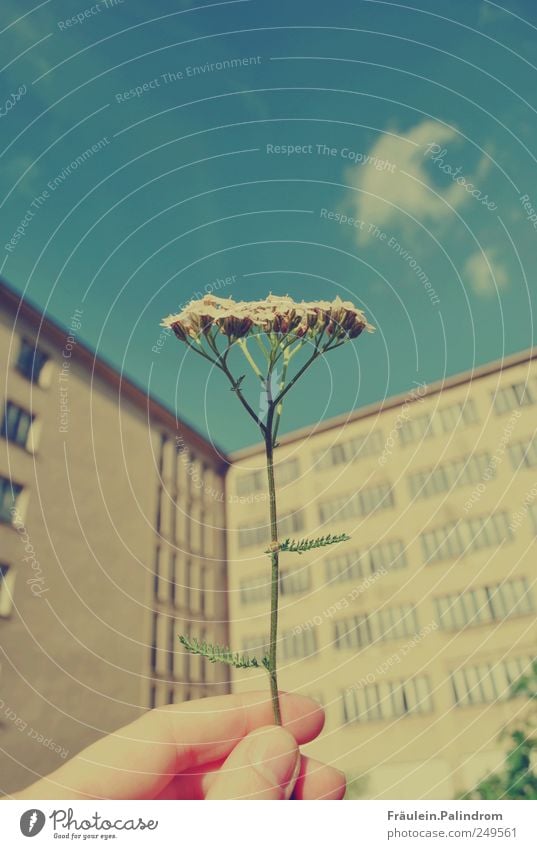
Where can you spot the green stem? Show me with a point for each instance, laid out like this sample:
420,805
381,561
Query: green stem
275,575
244,348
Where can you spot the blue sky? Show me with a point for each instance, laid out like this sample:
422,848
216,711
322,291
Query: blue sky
416,120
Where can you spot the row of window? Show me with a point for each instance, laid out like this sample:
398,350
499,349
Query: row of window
387,623
463,471
438,422
508,398
285,472
259,534
464,536
355,564
487,682
483,683
362,503
257,587
387,700
291,644
484,605
469,608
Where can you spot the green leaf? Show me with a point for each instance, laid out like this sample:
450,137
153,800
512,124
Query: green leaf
222,654
302,545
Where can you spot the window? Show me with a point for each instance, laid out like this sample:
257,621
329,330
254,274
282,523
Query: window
387,700
16,424
463,536
7,582
285,472
460,412
31,361
487,682
510,397
532,508
388,623
291,644
9,494
484,604
417,428
362,503
523,453
454,473
349,450
358,564
259,534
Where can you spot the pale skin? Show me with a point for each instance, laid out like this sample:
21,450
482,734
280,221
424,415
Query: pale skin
217,748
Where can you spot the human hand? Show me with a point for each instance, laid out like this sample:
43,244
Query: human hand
216,748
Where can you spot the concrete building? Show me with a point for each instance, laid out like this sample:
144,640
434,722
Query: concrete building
112,542
411,632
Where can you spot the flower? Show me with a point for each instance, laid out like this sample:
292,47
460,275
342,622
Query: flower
279,315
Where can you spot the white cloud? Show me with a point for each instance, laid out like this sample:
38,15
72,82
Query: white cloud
484,273
403,188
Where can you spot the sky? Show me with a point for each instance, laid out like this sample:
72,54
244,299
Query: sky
384,152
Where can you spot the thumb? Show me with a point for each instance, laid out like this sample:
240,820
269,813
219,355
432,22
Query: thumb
264,765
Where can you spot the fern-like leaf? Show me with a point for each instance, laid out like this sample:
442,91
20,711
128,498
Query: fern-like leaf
301,545
222,654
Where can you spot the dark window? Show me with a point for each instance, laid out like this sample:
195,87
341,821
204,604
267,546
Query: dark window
9,492
31,360
16,424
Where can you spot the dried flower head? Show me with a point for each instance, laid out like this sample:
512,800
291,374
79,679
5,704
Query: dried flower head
274,315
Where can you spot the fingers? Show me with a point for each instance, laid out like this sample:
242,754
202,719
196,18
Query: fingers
318,781
139,760
264,765
315,781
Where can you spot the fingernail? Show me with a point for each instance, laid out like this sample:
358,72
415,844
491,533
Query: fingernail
274,754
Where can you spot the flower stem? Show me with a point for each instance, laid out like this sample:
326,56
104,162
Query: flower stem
275,573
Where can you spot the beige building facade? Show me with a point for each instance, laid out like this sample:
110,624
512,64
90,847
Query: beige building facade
411,632
112,542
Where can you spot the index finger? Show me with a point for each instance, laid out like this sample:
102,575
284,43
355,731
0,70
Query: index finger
139,760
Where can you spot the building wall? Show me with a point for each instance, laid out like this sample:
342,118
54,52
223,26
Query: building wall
80,649
438,491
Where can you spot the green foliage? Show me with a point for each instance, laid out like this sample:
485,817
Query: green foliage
222,654
301,545
518,777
